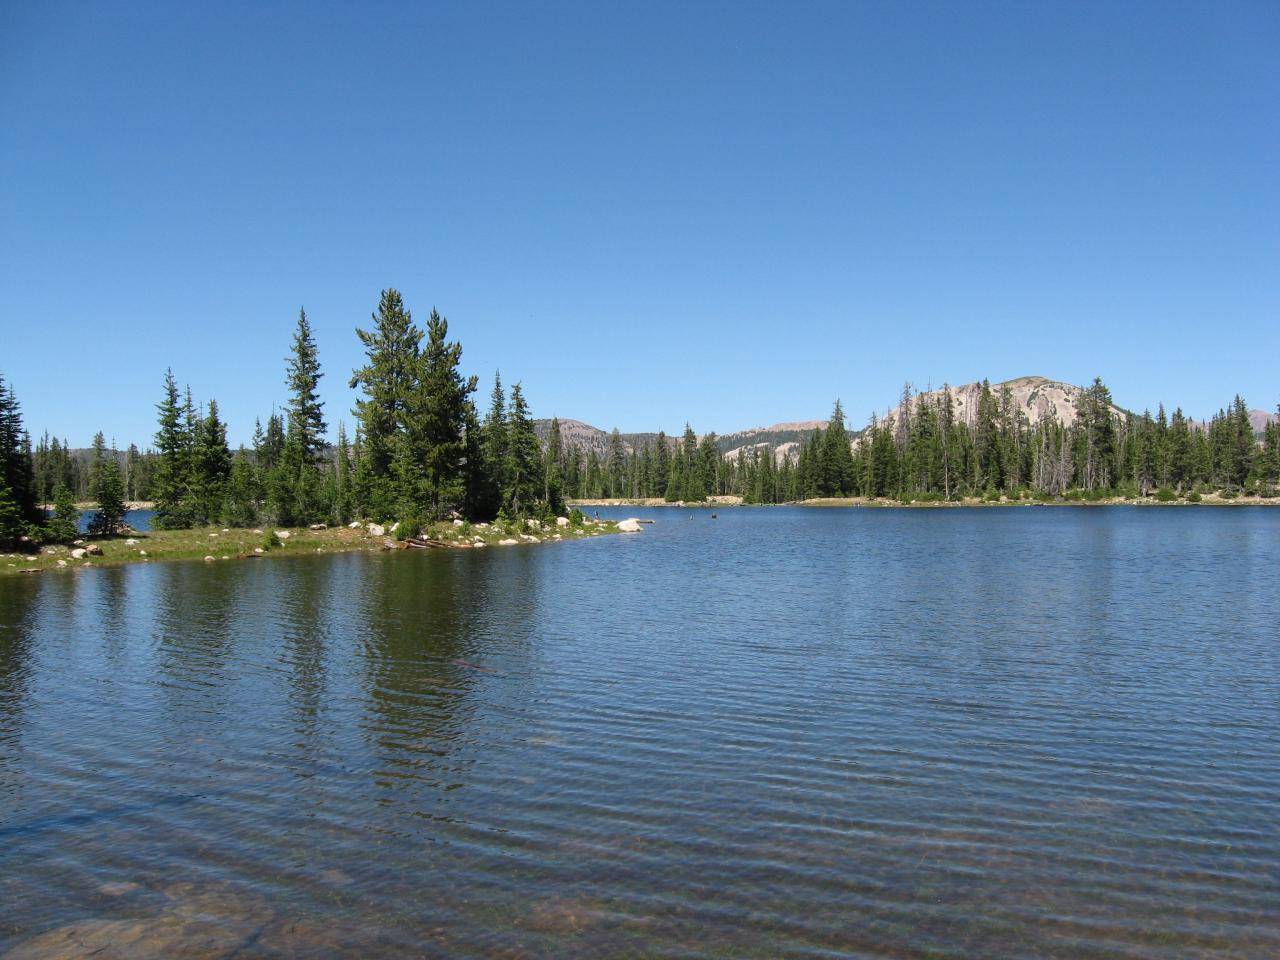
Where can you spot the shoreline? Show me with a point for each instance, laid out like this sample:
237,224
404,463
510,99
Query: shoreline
1206,500
218,544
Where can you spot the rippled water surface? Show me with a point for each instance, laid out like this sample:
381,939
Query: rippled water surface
870,733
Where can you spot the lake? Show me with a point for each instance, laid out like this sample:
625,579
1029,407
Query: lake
1027,732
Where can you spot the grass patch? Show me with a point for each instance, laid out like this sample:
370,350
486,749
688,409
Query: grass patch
219,544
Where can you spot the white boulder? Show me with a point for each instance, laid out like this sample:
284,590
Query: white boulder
630,525
562,521
77,553
376,530
283,534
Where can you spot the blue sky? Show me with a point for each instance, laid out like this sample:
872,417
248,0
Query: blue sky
729,214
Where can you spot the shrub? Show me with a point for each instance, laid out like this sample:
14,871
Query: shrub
271,541
1194,496
411,525
576,518
1165,495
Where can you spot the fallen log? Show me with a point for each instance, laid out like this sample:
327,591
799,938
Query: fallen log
421,543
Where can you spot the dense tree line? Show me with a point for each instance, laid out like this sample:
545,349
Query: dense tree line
923,451
422,451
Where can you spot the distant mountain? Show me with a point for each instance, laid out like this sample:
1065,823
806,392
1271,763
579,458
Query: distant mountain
1037,397
589,438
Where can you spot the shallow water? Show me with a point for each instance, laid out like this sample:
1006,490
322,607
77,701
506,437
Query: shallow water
988,733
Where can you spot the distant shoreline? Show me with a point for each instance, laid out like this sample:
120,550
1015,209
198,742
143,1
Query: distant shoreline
1206,500
85,506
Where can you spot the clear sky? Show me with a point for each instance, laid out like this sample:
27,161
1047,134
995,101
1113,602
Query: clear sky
730,214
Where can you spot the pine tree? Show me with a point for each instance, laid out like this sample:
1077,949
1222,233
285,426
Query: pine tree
617,465
661,465
211,466
494,486
169,484
295,488
387,379
240,503
17,470
524,458
107,488
1243,445
553,483
306,410
342,500
431,456
835,458
1096,427
481,501
65,525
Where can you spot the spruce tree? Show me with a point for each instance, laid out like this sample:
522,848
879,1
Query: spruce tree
240,502
387,379
17,470
661,465
211,466
169,483
617,465
107,488
295,490
65,525
431,462
495,484
306,410
552,480
524,457
835,469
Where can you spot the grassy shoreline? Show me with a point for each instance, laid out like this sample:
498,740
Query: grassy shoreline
219,544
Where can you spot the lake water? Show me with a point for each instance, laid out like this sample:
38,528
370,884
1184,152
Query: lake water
138,519
1030,732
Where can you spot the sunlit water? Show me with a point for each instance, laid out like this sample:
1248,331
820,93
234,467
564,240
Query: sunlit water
1033,732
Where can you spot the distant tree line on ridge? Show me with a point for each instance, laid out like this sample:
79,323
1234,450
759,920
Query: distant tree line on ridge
924,452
